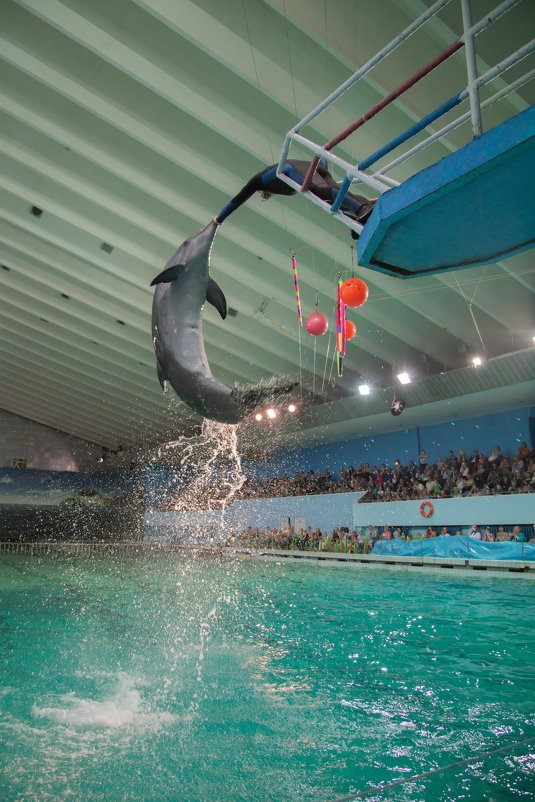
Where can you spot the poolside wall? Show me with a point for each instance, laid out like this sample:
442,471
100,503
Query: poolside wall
343,509
452,512
507,429
325,511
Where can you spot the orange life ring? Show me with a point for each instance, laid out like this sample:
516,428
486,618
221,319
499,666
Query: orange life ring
426,509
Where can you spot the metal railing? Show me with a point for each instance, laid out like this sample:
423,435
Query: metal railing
379,181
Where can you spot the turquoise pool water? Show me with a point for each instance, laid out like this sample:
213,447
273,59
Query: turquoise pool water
161,677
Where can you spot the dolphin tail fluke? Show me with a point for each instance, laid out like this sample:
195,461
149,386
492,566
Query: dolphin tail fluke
168,275
265,391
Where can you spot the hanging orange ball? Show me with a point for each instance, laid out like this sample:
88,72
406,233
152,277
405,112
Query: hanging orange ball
316,324
354,292
351,329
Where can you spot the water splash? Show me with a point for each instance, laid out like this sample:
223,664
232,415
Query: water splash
207,469
122,707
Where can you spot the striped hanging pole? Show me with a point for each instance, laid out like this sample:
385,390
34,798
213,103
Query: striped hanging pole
340,329
296,285
342,319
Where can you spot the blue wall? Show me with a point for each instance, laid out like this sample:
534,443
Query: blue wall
506,429
326,511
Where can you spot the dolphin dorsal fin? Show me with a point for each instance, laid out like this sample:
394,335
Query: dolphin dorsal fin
167,275
214,296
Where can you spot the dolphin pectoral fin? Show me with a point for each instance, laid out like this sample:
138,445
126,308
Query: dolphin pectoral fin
162,378
214,296
167,275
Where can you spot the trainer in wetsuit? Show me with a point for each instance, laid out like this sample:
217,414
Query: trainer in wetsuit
323,185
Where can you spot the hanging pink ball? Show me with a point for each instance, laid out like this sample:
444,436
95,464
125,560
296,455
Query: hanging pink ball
317,324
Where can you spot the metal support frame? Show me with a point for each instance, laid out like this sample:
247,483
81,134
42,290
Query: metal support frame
379,181
529,76
471,69
360,73
414,79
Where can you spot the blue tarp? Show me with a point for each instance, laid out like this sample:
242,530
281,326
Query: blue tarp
460,546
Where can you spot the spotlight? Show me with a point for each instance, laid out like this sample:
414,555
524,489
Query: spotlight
271,413
291,407
397,406
364,389
404,378
477,361
258,416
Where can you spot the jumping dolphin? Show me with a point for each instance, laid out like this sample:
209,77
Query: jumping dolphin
181,291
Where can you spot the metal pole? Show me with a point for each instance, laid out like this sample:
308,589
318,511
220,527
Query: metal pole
451,126
410,82
471,69
430,12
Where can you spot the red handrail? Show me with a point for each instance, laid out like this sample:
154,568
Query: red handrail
381,105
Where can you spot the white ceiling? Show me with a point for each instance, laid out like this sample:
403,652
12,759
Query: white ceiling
131,122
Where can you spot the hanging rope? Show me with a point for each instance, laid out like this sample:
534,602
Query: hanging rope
469,305
268,140
319,241
380,788
327,354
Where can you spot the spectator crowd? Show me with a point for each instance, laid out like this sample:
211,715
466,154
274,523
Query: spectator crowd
451,476
363,540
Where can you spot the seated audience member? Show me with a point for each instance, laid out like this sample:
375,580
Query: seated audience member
502,535
386,534
524,452
474,532
495,455
488,536
464,470
444,531
518,535
430,532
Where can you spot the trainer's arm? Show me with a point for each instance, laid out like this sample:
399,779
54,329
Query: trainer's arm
252,186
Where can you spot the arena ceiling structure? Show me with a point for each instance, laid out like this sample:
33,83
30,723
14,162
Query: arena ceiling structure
127,124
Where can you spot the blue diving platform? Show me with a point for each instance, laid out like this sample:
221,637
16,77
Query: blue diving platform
476,205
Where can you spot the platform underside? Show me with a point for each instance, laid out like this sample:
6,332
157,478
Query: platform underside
475,206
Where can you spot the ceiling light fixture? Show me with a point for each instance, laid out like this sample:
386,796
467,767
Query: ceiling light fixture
364,389
271,413
291,407
404,378
258,416
477,361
